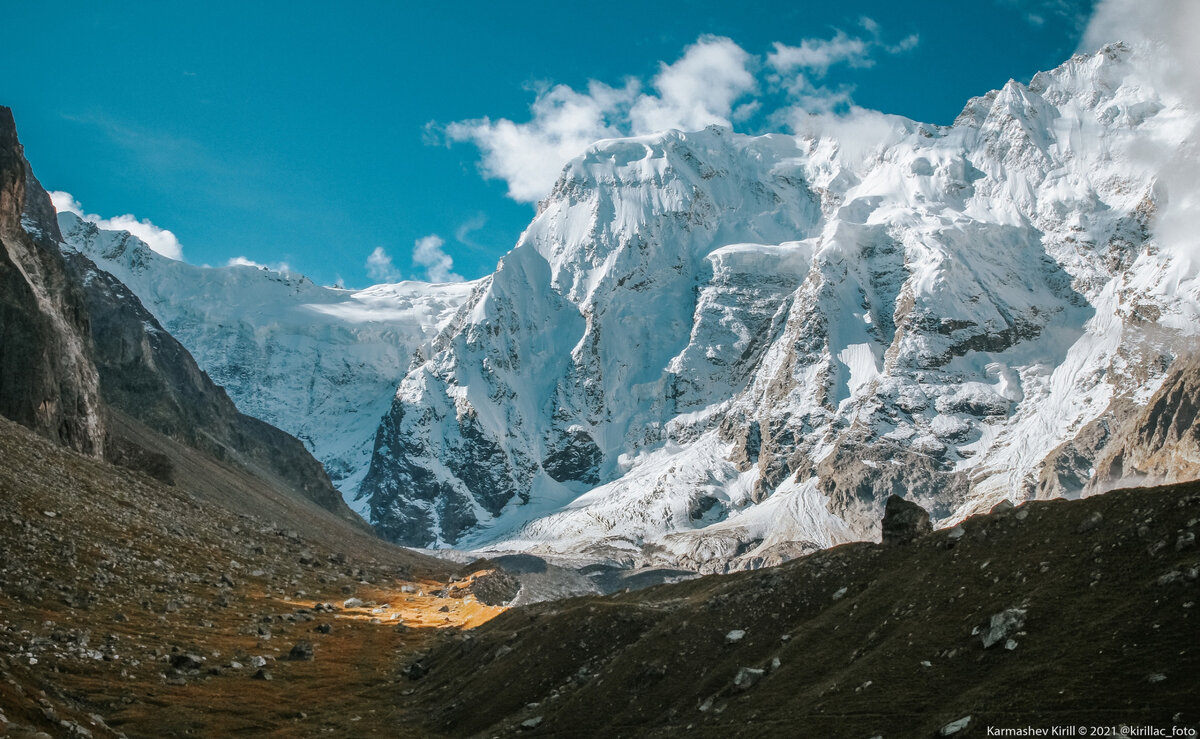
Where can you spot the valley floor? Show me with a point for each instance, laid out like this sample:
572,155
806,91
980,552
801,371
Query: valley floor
127,607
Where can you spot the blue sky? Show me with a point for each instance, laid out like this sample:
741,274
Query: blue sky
391,141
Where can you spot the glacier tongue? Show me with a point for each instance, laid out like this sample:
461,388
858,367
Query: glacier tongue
320,363
719,350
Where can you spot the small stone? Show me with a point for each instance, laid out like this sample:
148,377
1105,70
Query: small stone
1157,677
352,603
1001,624
1021,514
1186,539
323,628
839,593
531,723
187,661
302,651
1093,520
956,533
262,675
747,678
735,636
1010,645
955,726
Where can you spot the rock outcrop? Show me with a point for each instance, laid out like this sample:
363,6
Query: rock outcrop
904,521
48,381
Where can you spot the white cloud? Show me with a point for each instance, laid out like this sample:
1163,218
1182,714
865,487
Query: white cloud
1173,27
462,234
380,267
797,69
715,81
529,156
696,91
818,55
281,267
159,239
244,262
439,266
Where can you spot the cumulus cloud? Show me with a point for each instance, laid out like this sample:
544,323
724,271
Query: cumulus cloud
380,267
1174,66
715,81
439,266
158,239
818,55
696,91
799,69
281,267
528,156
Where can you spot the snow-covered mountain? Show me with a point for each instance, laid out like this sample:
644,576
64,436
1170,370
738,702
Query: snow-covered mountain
715,349
319,362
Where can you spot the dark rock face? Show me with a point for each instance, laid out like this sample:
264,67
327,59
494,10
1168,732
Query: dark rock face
1161,442
78,349
48,381
904,521
150,377
576,457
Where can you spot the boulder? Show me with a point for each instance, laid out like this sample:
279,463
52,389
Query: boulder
904,521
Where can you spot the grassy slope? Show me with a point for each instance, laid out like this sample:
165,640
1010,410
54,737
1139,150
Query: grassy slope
94,599
1099,625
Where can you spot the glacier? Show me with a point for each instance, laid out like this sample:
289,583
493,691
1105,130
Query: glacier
716,351
318,362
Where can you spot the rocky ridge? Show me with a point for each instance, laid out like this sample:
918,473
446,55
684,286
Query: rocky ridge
719,351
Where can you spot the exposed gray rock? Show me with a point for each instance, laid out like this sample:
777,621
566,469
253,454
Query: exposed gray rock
904,521
747,678
1002,624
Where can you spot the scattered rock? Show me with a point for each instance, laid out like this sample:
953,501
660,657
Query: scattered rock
735,636
1002,506
186,661
955,726
1092,520
323,628
904,521
531,723
301,651
261,675
1008,620
747,678
352,603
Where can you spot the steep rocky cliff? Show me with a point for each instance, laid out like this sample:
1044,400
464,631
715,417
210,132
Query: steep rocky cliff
48,381
84,363
1161,442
